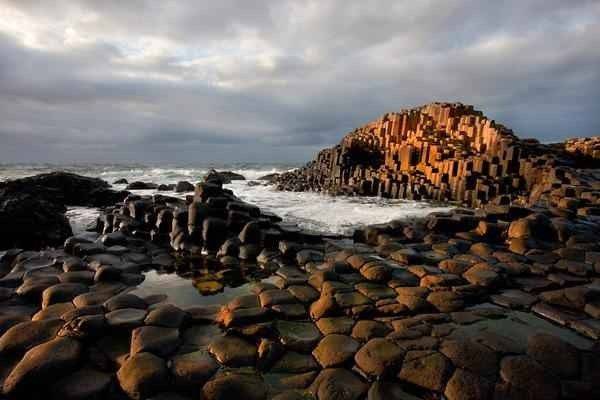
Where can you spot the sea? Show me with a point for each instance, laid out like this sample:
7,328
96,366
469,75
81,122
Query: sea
309,210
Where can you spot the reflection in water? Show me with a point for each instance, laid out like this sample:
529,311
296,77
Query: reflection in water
201,281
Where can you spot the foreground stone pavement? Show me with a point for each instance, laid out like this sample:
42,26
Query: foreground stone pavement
498,303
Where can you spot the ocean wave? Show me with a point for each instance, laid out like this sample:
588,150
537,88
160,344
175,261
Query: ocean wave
315,211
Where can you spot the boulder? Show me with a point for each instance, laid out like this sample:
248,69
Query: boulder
335,350
26,335
465,385
233,351
62,292
471,356
298,336
143,375
251,233
214,233
65,189
166,315
127,318
126,300
425,368
338,383
379,357
235,385
184,186
43,364
154,339
192,369
30,222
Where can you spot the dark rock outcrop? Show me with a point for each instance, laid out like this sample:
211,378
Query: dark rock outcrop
64,188
184,186
137,185
32,209
30,222
222,177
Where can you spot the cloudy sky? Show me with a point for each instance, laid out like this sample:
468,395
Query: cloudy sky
177,81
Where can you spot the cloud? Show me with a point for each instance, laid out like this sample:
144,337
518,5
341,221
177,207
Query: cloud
277,80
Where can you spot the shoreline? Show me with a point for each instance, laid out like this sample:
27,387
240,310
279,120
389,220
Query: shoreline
448,304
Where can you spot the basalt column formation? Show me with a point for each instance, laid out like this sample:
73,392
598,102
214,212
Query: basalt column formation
444,152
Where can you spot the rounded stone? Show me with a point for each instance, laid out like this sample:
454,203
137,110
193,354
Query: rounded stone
446,301
9,320
154,339
126,318
341,325
192,369
53,311
92,298
61,293
335,349
269,298
166,315
471,356
298,336
269,351
465,385
34,287
235,385
107,273
378,357
143,375
84,327
233,351
368,329
482,274
126,300
425,368
325,306
304,293
338,384
26,335
83,277
43,364
73,264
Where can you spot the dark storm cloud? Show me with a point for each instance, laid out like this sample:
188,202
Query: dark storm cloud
276,80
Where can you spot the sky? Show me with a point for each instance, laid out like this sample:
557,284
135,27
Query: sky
275,81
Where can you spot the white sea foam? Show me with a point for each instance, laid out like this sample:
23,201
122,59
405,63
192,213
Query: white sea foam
309,210
81,218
